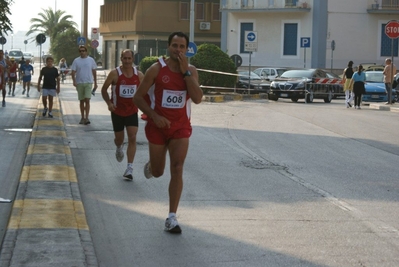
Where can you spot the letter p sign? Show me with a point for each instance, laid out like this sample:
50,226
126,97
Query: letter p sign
305,42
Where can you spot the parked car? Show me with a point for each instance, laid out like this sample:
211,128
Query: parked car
305,84
372,67
269,74
257,84
338,88
16,54
29,55
375,88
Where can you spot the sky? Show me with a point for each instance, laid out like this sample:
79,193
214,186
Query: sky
22,11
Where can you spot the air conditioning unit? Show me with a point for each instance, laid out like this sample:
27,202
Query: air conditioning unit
205,26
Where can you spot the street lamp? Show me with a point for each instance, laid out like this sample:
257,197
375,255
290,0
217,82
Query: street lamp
12,41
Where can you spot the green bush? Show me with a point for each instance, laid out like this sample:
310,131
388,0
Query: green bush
210,57
146,62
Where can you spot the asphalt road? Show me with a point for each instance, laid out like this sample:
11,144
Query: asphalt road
16,122
266,184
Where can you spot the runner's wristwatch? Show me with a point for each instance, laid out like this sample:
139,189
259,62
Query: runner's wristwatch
187,74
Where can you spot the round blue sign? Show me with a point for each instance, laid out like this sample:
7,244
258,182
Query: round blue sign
191,50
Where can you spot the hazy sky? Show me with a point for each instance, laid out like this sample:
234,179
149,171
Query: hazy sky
23,10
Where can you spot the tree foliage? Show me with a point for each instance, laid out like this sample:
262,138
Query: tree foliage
5,23
146,62
51,24
64,46
211,57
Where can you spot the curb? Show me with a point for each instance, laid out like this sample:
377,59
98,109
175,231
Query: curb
386,107
47,226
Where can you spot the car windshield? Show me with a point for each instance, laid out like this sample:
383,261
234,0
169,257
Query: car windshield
376,77
332,75
245,74
280,71
297,74
15,53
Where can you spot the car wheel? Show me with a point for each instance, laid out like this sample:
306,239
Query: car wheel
294,99
272,97
329,97
309,97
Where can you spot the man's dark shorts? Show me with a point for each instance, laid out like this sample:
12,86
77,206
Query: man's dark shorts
120,122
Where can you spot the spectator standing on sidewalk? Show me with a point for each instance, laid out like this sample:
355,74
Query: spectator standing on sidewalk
27,72
124,80
388,77
171,84
12,73
346,78
51,85
83,76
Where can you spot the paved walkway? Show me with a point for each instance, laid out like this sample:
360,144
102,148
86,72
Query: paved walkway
48,223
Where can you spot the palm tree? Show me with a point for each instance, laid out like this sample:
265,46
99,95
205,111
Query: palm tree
51,23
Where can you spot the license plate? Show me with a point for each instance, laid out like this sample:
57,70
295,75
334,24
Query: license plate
284,95
375,96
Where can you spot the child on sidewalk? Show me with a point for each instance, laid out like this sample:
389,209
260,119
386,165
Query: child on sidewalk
51,85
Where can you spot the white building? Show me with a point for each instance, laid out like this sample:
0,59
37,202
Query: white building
355,26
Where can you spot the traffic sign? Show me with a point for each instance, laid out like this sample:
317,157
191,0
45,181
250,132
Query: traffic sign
392,29
94,43
305,42
251,41
3,40
191,50
40,38
251,36
81,40
237,60
95,33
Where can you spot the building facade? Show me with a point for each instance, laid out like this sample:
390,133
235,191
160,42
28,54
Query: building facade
336,31
144,26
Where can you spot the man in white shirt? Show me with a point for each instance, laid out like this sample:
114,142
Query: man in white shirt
83,76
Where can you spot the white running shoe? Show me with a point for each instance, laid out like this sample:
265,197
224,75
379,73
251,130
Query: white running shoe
147,170
172,225
128,174
119,153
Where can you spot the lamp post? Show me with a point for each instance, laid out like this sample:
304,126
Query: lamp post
12,41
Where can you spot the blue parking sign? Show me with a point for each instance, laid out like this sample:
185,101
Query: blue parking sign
305,42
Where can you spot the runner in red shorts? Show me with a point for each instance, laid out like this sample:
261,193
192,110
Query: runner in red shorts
165,96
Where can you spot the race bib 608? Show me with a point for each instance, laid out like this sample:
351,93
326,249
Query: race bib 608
173,99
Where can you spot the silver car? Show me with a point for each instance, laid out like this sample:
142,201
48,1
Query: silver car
30,56
269,73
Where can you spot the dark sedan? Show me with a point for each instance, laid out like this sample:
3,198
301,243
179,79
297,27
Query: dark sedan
257,84
305,84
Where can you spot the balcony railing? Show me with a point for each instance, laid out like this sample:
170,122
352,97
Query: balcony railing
264,4
384,5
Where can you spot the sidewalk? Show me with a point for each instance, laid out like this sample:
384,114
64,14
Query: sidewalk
48,225
384,106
